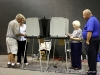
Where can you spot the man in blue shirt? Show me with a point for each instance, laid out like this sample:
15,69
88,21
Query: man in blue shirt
91,36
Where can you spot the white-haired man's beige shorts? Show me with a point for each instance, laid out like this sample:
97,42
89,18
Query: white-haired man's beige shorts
12,46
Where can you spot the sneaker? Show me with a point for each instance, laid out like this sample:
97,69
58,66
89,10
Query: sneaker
8,65
26,64
18,64
14,66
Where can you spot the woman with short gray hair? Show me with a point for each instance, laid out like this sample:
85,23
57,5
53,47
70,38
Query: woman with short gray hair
76,46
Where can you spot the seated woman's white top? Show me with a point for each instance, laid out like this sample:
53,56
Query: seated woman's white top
45,46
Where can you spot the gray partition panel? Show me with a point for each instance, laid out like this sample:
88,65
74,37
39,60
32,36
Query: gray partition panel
32,27
59,26
67,26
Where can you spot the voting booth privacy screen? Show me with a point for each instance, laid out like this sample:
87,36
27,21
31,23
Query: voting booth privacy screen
55,26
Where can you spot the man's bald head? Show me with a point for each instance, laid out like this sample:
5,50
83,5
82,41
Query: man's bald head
87,11
87,14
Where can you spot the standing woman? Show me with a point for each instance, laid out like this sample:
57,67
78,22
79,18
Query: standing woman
76,46
21,45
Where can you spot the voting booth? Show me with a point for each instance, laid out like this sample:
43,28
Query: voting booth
59,27
54,28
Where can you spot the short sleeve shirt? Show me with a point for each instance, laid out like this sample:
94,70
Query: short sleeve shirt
93,26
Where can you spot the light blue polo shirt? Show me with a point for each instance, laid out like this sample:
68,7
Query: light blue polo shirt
93,26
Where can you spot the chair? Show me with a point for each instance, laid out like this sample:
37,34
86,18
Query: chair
44,45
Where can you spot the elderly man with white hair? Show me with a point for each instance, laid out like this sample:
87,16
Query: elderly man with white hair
13,33
76,46
91,34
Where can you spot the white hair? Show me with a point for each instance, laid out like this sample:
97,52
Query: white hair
20,16
76,23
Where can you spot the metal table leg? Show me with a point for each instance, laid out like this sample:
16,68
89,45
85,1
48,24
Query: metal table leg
24,55
32,49
66,55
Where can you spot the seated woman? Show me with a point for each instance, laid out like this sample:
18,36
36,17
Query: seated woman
45,46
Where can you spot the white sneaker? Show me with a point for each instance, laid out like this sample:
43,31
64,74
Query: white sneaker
18,63
26,63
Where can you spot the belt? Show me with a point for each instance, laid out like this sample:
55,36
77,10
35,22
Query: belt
76,41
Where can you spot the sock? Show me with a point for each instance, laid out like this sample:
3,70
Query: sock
13,64
9,62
